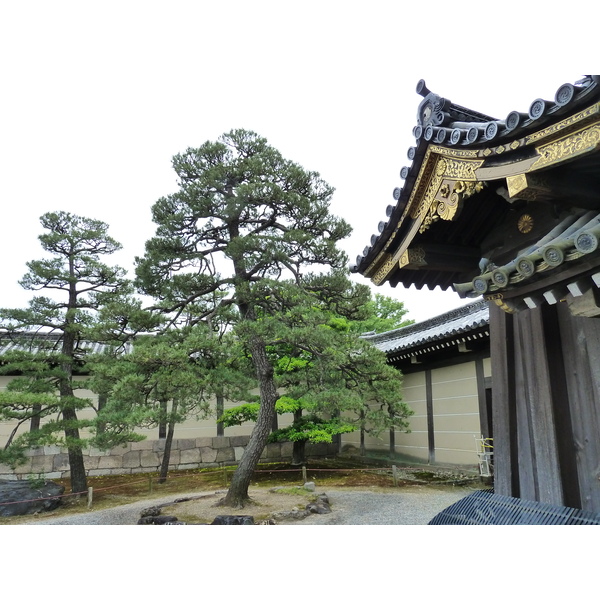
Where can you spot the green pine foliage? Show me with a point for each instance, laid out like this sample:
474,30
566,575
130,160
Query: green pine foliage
52,333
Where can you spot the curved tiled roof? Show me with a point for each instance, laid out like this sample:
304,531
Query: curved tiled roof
450,328
443,123
48,343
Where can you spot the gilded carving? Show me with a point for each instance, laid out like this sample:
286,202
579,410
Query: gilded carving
516,184
525,223
381,273
448,209
569,146
423,208
455,152
413,257
462,169
498,300
440,167
571,121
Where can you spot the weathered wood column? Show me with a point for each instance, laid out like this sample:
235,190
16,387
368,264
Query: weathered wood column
546,405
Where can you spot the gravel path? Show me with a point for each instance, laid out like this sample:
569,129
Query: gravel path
409,506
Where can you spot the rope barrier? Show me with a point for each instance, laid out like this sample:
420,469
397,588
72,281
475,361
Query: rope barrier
172,477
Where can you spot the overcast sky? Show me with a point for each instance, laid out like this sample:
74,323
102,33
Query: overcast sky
98,96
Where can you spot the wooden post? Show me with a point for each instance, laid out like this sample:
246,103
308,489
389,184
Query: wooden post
304,477
395,475
90,497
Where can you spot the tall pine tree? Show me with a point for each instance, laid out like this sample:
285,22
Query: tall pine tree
77,284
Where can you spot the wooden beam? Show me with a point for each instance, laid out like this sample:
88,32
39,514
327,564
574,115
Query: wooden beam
574,189
440,257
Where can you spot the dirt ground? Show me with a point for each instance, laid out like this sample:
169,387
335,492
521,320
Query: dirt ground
266,504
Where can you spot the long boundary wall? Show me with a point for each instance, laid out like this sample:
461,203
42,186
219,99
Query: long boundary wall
144,457
446,419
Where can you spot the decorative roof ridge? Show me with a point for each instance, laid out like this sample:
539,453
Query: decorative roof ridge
442,123
443,319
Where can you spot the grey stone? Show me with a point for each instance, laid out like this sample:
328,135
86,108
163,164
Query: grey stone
41,464
143,445
151,511
101,472
158,520
233,520
185,444
26,498
319,508
221,442
25,468
225,455
191,456
109,462
239,440
204,442
310,486
91,462
98,452
148,459
61,462
121,450
273,451
132,460
209,455
158,445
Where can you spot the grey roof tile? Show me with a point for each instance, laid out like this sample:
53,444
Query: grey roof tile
450,324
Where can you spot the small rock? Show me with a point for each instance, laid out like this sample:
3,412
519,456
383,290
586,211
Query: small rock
152,511
310,486
233,520
157,520
319,508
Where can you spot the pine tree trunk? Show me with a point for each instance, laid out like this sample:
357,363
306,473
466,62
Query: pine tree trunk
164,466
76,463
299,446
220,409
69,414
299,453
237,494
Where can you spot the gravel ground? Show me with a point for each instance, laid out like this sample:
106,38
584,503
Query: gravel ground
409,506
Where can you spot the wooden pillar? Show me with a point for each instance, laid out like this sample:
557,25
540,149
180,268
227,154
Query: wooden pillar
506,476
538,458
546,405
581,342
430,423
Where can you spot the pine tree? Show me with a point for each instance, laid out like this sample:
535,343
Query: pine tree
55,327
253,230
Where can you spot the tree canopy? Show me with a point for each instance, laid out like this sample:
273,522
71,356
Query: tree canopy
77,285
251,229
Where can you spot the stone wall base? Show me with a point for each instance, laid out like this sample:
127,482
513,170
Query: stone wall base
52,462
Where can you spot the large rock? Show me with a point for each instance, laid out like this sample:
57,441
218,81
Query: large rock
27,498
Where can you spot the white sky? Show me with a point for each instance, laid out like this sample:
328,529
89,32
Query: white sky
98,96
